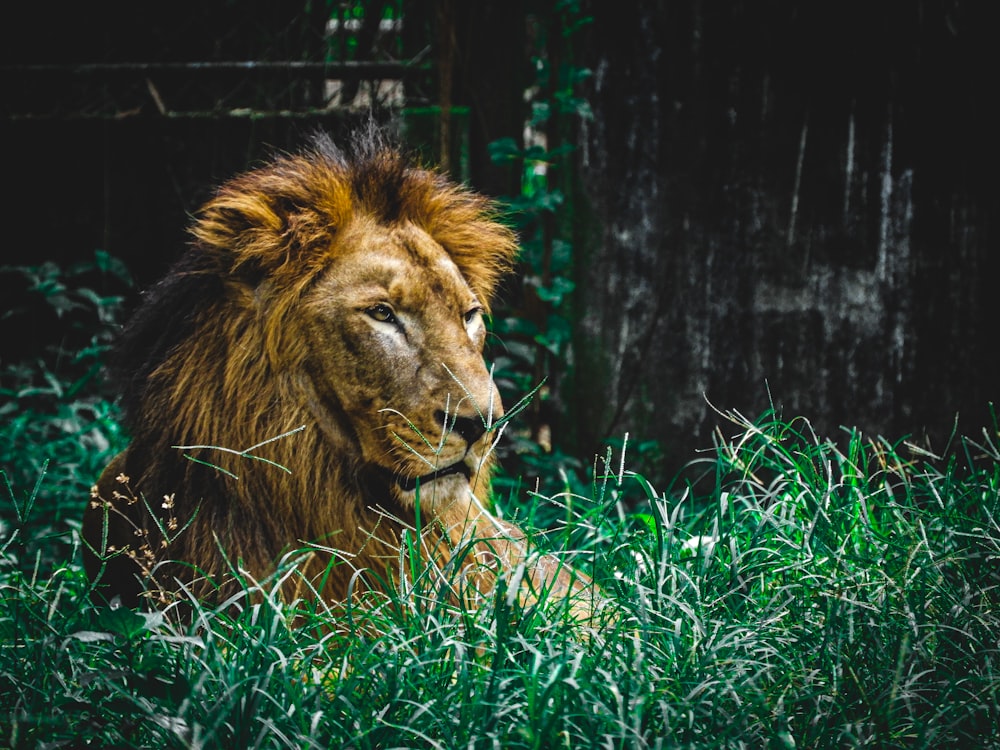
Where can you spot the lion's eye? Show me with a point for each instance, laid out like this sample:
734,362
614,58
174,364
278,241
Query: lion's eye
472,314
381,313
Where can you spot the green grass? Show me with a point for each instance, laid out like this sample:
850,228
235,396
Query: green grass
789,590
812,596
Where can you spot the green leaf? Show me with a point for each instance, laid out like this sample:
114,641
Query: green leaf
504,150
124,621
557,336
540,112
556,291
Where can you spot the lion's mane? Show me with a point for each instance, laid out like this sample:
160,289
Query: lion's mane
215,362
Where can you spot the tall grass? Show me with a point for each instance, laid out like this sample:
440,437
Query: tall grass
815,597
788,591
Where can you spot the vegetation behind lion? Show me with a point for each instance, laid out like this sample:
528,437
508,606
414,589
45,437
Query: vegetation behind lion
313,357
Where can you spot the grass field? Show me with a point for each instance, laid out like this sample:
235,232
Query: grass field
788,591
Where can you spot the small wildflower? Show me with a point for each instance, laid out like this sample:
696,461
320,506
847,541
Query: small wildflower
172,524
168,501
94,491
122,479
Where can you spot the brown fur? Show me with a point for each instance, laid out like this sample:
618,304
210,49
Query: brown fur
273,328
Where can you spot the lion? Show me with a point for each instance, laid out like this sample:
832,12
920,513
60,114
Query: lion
310,375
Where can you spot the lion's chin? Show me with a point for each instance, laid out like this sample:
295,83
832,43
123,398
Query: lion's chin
457,469
408,485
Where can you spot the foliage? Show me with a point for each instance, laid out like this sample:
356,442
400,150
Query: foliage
57,423
534,330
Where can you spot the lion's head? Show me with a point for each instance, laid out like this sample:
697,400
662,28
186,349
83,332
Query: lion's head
314,357
390,339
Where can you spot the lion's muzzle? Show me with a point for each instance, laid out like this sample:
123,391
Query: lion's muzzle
469,429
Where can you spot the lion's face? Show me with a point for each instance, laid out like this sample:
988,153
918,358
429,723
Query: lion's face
401,337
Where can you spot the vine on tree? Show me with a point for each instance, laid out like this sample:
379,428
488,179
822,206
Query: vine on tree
535,329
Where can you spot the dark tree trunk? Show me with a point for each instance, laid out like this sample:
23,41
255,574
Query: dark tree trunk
788,198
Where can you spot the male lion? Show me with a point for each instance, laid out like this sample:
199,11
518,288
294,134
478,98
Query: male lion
310,374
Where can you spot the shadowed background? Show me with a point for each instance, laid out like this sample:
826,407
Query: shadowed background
755,196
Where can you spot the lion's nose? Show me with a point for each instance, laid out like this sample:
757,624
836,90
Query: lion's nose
469,428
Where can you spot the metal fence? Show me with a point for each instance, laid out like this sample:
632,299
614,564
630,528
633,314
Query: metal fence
305,68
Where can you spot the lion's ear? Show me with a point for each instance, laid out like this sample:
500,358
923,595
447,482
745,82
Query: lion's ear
271,218
248,233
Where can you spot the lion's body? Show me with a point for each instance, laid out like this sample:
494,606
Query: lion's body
329,316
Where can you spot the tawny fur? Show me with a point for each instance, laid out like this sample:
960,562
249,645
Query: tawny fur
329,304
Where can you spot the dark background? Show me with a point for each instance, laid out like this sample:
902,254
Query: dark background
772,202
809,200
